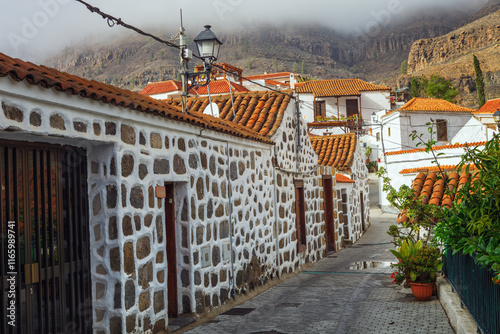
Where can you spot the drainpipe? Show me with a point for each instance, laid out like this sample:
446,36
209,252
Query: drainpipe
229,191
275,202
299,146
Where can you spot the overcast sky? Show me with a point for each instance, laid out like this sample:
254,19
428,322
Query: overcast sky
34,29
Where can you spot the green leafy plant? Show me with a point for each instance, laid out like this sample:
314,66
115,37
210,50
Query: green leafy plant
481,97
433,87
472,225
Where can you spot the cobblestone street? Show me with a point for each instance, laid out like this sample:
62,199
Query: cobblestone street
334,296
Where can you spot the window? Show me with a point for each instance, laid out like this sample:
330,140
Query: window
319,109
388,132
442,130
378,136
300,216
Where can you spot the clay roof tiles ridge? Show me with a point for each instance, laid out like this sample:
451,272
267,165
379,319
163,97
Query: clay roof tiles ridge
39,75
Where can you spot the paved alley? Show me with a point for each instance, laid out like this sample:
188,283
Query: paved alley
336,296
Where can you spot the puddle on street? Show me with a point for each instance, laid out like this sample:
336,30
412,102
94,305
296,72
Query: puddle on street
369,265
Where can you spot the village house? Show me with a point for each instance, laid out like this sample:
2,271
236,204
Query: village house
344,154
397,125
154,212
225,79
343,105
279,80
454,126
485,113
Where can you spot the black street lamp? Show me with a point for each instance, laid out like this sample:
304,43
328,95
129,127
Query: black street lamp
208,45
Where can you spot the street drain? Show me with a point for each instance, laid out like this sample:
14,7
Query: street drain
266,332
213,321
361,265
238,311
288,305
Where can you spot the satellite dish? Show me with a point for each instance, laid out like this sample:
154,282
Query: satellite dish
212,109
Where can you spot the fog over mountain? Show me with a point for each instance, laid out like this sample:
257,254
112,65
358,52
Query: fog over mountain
37,29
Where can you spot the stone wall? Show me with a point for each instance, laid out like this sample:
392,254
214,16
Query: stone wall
129,154
359,174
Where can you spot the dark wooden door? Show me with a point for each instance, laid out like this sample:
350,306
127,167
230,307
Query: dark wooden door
363,227
173,308
352,109
44,220
328,207
300,216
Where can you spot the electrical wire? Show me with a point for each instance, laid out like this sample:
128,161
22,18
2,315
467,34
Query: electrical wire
112,21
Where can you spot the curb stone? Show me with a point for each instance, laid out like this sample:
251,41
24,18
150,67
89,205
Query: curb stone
460,319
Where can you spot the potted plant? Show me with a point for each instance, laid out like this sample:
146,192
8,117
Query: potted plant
424,265
404,254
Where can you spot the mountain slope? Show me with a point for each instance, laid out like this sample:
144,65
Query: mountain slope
131,61
450,56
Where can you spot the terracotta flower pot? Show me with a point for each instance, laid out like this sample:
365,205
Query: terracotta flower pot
422,291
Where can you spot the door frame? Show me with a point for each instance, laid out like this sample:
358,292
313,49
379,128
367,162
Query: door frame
171,250
329,208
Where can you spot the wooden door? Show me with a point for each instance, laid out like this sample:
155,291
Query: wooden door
328,208
44,221
173,307
363,227
300,216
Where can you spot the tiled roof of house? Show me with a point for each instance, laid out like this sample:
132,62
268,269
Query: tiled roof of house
335,150
432,189
261,112
269,75
435,169
339,87
433,105
49,78
276,83
489,107
161,87
219,87
436,148
343,179
216,87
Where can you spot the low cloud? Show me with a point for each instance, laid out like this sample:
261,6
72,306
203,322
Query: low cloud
35,29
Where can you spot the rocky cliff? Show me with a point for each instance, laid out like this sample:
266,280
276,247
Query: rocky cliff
132,61
450,56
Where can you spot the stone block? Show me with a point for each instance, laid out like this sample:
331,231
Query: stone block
128,258
143,247
137,197
127,165
114,259
155,140
35,119
128,134
179,165
144,300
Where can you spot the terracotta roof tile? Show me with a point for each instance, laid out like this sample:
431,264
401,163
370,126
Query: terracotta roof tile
269,75
216,87
338,87
261,112
343,179
49,78
161,87
432,189
219,87
436,148
433,105
435,169
489,107
335,150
